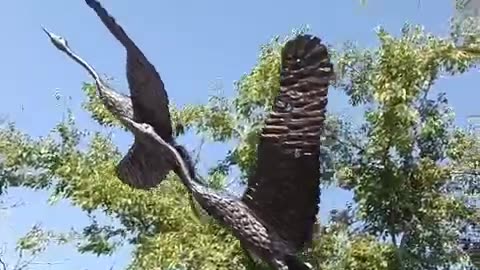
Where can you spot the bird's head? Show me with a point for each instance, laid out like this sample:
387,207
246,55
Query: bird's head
143,131
57,40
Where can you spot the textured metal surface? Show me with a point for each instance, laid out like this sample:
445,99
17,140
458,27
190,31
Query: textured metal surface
141,168
147,90
284,189
276,215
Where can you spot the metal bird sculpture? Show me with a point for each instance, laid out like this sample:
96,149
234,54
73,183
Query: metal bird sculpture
148,103
275,217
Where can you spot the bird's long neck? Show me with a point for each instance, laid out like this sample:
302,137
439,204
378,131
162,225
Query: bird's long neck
84,64
115,102
185,170
186,158
187,179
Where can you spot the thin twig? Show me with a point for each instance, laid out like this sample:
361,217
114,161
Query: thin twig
350,141
48,263
198,151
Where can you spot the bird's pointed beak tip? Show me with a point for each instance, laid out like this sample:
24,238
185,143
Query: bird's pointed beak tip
46,31
126,120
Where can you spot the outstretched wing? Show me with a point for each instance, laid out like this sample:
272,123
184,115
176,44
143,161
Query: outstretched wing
147,91
141,168
284,189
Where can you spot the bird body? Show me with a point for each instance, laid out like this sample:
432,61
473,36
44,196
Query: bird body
256,237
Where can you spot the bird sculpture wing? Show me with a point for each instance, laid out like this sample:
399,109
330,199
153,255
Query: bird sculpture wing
150,105
284,191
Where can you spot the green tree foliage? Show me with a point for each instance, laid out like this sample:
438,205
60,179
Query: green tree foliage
396,163
398,178
29,247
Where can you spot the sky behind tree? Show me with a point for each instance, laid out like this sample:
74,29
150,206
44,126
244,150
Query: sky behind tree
194,45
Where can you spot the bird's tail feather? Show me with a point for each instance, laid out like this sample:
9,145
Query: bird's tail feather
295,263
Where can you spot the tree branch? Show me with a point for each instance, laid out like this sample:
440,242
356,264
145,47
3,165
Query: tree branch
349,141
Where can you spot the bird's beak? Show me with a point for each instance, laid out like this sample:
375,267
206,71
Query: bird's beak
46,32
129,123
126,120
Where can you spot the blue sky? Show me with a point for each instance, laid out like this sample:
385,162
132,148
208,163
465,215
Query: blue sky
193,44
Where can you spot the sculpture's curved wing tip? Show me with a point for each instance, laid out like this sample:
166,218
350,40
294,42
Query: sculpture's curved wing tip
90,2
